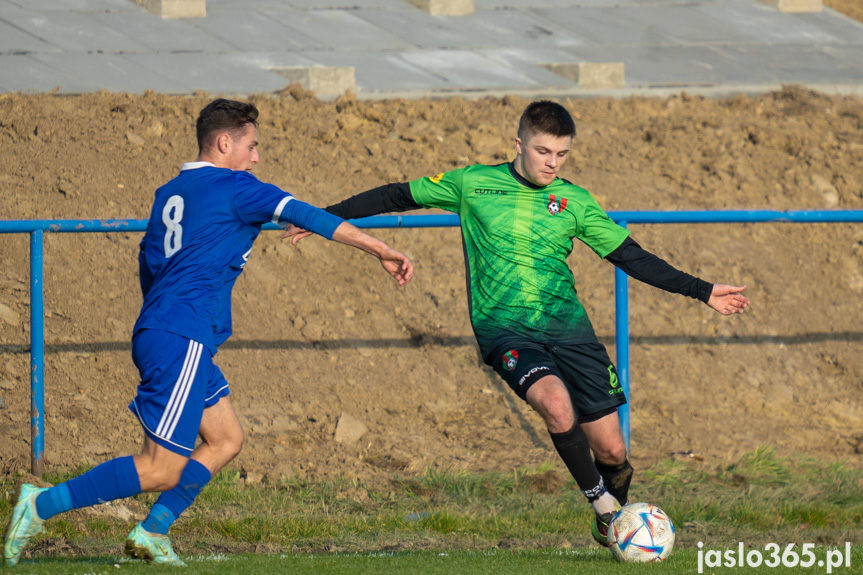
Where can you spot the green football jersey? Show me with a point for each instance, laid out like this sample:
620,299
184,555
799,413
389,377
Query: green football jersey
516,238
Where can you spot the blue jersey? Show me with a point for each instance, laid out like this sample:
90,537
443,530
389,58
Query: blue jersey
198,240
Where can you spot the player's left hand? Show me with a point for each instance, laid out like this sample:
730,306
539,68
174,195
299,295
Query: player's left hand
397,265
727,299
295,233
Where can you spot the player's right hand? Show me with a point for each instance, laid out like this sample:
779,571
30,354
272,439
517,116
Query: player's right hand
295,233
727,299
397,265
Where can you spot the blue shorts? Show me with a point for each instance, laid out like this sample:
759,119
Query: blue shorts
178,381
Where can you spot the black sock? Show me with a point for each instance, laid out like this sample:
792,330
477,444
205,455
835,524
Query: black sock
573,448
617,479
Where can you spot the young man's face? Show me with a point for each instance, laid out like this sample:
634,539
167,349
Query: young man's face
541,156
242,152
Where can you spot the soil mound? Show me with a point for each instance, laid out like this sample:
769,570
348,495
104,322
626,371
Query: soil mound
324,341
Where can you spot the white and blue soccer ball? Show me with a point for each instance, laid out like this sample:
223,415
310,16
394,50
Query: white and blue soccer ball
641,533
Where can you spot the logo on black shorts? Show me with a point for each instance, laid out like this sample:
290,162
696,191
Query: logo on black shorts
528,375
510,359
615,383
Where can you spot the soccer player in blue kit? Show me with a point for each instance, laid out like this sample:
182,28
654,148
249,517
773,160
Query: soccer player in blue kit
198,240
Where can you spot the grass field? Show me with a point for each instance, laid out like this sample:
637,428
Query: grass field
526,521
503,562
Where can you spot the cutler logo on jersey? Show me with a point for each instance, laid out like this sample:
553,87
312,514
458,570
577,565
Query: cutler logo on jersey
554,207
510,359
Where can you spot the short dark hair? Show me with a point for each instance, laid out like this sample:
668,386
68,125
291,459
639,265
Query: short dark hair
545,117
224,115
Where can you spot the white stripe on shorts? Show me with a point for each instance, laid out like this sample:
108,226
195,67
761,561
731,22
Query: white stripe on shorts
144,425
181,391
185,396
278,213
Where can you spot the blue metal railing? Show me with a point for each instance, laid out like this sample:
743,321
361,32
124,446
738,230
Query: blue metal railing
37,228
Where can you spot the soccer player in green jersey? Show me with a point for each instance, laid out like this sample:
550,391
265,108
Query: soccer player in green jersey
518,221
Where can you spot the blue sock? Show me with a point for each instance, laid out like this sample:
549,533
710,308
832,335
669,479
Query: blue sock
159,520
172,503
54,501
114,479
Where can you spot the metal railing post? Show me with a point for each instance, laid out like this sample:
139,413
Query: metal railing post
621,307
37,355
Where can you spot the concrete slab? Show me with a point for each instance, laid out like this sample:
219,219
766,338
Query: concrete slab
662,66
6,5
725,23
594,25
338,30
350,5
807,65
305,5
758,24
25,73
664,3
468,70
229,75
508,28
218,5
115,73
252,31
831,22
398,49
72,31
383,72
14,41
539,4
274,59
530,63
420,30
77,5
155,34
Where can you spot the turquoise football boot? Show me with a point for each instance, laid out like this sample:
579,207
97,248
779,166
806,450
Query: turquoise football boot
151,547
24,525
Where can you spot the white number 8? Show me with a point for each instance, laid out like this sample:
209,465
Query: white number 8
174,234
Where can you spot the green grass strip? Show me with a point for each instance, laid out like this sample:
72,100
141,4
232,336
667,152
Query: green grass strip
500,562
759,499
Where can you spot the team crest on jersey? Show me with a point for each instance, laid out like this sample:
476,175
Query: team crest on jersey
510,359
436,179
555,207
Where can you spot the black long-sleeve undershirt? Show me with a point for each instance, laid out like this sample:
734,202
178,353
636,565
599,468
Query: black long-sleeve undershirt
630,257
381,200
642,265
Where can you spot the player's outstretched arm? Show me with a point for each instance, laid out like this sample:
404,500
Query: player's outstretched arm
381,200
652,270
727,299
395,263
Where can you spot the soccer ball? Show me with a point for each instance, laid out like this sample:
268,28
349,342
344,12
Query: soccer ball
641,533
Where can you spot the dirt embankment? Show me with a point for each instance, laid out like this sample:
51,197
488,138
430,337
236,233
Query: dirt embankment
321,335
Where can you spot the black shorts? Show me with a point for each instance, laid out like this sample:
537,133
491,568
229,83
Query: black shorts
584,368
